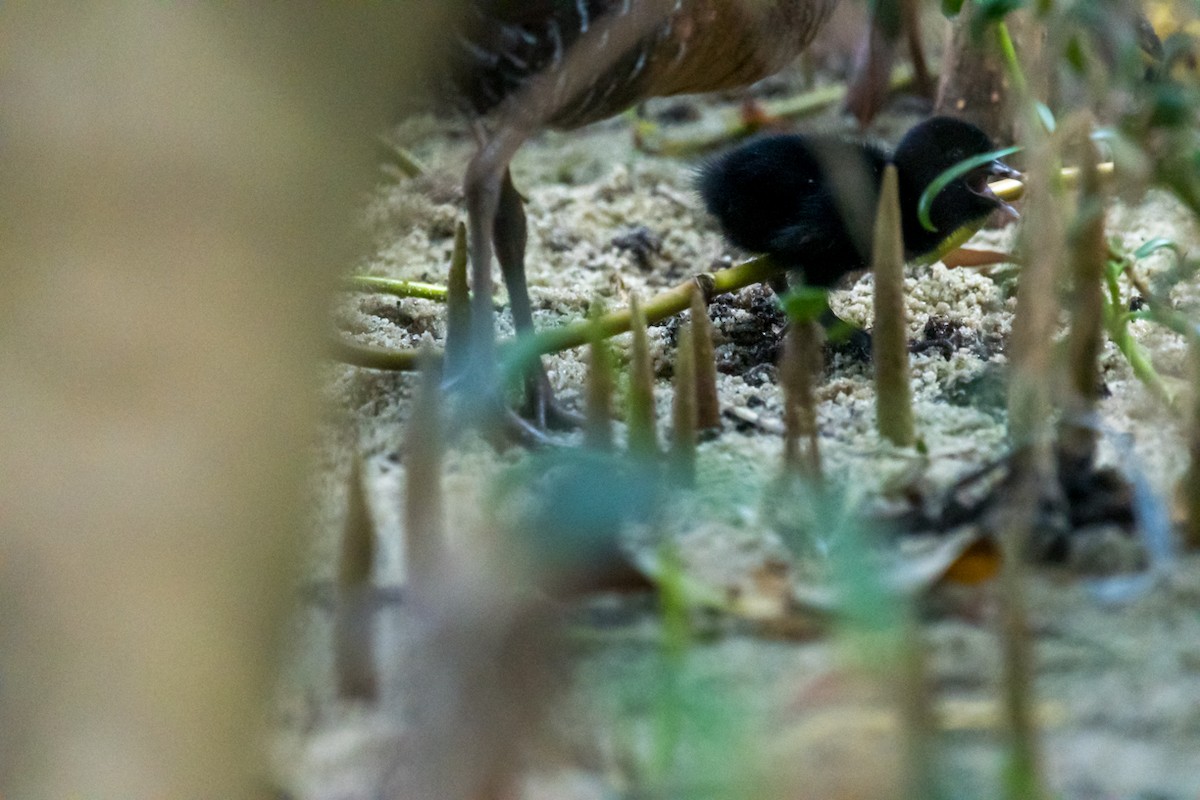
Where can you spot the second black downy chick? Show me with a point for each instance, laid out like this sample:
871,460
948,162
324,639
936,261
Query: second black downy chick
809,201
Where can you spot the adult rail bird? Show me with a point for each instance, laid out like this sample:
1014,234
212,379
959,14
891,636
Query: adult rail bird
519,66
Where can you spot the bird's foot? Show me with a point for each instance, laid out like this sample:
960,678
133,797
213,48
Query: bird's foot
479,402
852,342
845,338
484,409
542,410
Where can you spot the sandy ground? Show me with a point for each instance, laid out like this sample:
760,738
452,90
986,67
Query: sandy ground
1119,682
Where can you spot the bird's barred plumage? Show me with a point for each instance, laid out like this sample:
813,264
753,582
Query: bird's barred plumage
699,45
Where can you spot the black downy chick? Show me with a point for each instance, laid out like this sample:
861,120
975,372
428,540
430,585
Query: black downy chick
810,201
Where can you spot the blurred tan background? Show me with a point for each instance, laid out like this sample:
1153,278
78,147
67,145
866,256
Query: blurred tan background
177,182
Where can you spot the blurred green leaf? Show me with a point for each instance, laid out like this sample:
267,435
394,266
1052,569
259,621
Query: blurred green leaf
996,10
1075,55
805,303
1153,246
567,508
1171,106
1045,115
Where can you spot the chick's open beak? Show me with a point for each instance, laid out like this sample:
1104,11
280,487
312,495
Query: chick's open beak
997,169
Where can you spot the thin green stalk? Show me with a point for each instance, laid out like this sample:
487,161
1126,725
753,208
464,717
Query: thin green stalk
1139,362
598,427
397,288
576,334
797,369
404,161
458,305
708,404
683,416
893,387
641,415
1009,51
1116,320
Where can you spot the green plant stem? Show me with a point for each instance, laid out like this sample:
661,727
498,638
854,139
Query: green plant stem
1118,331
1009,51
1117,320
893,387
575,334
404,161
399,288
640,416
370,283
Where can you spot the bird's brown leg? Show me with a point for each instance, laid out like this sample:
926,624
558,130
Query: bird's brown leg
476,380
911,21
482,190
511,234
873,64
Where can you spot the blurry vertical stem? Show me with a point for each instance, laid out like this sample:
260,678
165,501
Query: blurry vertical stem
1089,253
423,545
683,432
917,718
1043,242
1191,480
797,369
893,398
1032,477
354,646
708,407
676,637
598,427
458,304
1023,770
643,435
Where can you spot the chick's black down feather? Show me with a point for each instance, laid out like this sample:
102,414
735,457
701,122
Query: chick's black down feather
810,200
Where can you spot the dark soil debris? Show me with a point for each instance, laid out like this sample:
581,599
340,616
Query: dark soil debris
393,312
946,336
641,243
750,327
